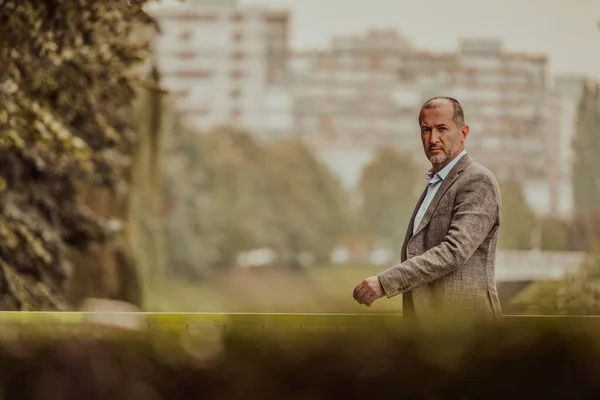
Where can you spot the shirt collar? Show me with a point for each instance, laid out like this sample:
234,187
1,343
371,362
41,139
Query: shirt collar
433,178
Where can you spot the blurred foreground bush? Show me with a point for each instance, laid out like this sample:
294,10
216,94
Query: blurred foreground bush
69,73
516,361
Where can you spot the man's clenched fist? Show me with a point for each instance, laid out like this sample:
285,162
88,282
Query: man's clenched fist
368,291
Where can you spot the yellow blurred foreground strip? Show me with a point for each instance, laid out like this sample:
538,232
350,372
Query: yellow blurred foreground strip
40,316
256,320
183,319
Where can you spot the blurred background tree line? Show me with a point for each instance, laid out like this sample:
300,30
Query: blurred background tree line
104,193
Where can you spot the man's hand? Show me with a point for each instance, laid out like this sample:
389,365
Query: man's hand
368,291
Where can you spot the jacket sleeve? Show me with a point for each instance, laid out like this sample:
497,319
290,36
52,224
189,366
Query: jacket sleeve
475,213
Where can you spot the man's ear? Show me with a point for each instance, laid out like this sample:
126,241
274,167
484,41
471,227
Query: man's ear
464,132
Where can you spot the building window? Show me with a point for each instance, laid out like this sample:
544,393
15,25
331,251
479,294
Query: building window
237,56
195,111
237,17
193,74
236,114
185,54
374,62
326,125
185,36
236,74
196,17
207,17
179,94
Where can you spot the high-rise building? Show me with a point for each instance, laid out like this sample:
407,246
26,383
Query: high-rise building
365,92
221,60
345,96
349,99
505,96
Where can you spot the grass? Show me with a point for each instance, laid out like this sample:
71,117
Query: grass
326,289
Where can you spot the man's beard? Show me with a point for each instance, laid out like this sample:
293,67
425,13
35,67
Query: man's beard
440,158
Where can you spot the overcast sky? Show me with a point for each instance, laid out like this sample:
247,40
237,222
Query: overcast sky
565,30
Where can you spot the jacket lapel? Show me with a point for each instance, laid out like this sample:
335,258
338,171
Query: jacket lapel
446,183
409,231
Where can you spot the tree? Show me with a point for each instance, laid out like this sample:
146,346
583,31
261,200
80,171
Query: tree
586,146
517,219
154,120
554,234
227,193
577,294
387,189
586,169
220,207
67,82
309,202
580,293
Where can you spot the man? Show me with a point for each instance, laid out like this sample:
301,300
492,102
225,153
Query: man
448,256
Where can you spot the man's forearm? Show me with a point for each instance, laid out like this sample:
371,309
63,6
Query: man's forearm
431,265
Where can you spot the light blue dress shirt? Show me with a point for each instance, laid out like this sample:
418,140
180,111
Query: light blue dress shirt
434,181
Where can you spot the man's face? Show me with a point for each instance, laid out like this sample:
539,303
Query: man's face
442,138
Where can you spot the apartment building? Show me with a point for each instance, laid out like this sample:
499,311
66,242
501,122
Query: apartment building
364,92
344,96
506,100
222,61
229,63
347,103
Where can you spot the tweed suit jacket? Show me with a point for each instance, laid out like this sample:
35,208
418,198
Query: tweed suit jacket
448,265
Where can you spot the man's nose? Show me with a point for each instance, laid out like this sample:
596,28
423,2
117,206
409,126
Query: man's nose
435,136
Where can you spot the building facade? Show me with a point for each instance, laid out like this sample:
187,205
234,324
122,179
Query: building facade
231,64
365,92
222,62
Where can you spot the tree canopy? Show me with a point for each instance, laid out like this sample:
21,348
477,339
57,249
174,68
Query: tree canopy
586,168
227,193
517,219
387,190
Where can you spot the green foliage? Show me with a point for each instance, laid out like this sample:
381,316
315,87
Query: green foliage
154,118
67,80
541,298
554,234
584,230
517,220
577,294
387,188
586,146
226,193
586,169
581,292
309,202
221,208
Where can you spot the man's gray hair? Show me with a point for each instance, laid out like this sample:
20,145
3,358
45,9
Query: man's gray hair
459,115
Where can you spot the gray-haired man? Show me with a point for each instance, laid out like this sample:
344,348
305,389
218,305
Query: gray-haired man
448,256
